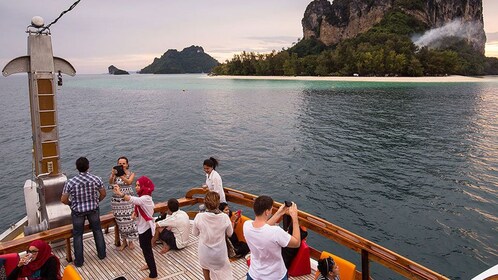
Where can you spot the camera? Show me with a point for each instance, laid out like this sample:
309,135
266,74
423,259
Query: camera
119,170
288,203
110,187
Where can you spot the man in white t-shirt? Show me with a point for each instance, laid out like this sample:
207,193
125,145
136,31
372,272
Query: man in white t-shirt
175,229
265,240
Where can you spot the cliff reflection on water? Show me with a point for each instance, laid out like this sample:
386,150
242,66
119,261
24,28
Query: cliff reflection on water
412,167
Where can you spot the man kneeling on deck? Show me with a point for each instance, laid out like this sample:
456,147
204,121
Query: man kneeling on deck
265,240
173,231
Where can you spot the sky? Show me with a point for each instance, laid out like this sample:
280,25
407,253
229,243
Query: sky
129,34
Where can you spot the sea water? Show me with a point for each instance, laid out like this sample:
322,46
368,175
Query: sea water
410,166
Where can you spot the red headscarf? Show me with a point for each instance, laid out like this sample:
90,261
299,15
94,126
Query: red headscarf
44,253
146,188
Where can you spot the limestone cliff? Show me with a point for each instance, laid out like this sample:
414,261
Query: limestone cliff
190,60
343,19
113,70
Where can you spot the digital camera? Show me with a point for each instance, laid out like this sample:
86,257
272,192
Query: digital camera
119,170
288,203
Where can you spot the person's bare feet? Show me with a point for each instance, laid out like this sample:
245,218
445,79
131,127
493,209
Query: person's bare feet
131,245
123,245
144,267
165,249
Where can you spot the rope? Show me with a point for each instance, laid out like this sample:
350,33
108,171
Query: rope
70,8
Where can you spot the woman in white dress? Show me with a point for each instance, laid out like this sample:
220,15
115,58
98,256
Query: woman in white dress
211,227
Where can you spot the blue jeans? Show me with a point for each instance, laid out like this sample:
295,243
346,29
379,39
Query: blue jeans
78,229
250,278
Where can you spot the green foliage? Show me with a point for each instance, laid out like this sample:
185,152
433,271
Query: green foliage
385,50
189,60
307,47
491,66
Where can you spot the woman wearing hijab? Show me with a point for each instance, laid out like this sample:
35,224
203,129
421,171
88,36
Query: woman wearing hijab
211,227
144,209
38,264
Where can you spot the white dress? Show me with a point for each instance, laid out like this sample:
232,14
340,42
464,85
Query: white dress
213,256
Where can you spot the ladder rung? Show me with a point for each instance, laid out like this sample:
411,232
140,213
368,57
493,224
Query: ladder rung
48,126
47,111
52,157
50,141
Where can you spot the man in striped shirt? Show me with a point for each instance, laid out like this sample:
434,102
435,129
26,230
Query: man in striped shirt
83,193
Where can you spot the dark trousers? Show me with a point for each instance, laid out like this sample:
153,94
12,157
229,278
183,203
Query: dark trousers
169,237
93,218
145,240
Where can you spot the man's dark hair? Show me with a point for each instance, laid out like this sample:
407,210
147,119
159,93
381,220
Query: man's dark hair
173,205
82,164
261,204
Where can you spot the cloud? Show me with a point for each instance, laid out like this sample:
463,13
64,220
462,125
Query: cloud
492,38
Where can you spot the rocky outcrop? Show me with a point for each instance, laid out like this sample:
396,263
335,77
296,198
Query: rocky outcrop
113,70
333,22
190,60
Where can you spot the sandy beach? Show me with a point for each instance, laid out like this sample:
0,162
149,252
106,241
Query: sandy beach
446,79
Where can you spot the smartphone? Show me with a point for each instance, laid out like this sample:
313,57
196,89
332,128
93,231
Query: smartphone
239,212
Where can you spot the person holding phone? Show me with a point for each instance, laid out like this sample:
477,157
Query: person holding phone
240,248
38,263
122,210
265,239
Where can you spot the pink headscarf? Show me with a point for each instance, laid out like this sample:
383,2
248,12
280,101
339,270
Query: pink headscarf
146,188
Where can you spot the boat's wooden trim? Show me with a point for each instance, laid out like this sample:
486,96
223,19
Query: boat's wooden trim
368,250
66,232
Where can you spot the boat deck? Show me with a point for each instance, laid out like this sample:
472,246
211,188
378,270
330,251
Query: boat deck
183,264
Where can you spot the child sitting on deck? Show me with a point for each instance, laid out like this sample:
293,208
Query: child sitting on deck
174,230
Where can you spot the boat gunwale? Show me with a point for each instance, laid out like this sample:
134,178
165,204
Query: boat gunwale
368,250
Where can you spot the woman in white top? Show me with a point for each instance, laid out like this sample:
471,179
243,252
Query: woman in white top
144,209
213,178
211,227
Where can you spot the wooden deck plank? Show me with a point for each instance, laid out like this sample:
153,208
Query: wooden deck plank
175,265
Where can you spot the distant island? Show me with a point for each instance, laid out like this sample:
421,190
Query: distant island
409,38
190,60
113,70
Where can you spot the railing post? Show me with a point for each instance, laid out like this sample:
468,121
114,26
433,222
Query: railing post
365,265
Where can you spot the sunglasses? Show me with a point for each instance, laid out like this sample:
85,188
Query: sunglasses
31,251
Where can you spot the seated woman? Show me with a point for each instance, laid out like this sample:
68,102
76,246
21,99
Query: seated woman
241,249
39,263
328,269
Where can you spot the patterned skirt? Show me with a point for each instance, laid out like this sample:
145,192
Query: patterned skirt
122,211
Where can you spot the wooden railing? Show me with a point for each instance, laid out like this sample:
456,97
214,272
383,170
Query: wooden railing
367,250
66,232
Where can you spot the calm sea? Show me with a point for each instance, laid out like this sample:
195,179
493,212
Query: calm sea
413,167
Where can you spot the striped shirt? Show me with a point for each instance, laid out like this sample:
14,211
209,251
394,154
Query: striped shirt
84,191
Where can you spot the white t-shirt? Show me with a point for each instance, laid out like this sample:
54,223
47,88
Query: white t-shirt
214,183
266,245
179,223
144,201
